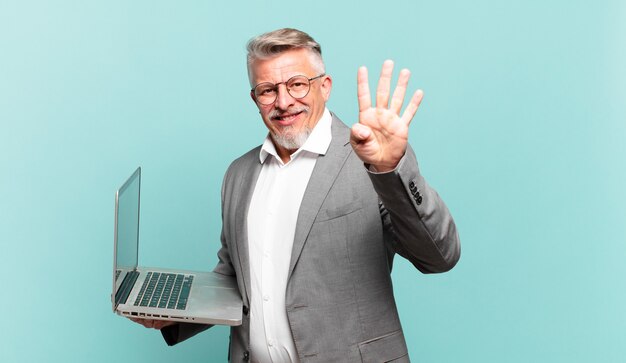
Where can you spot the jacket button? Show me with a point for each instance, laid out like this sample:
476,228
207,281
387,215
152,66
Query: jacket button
246,356
418,199
411,185
245,310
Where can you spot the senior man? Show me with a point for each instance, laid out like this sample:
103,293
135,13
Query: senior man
312,218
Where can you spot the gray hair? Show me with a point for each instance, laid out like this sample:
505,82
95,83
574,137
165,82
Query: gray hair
274,43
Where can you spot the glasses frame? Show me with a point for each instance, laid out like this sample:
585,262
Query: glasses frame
288,91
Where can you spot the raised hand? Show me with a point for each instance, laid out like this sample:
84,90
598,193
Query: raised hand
380,137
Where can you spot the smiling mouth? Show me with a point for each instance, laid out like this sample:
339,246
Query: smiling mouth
287,118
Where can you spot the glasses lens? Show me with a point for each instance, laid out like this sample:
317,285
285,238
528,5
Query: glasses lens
265,93
298,86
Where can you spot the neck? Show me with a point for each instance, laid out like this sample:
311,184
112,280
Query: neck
283,153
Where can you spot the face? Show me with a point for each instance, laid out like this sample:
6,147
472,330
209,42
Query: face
290,120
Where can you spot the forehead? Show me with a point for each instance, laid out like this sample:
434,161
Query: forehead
281,67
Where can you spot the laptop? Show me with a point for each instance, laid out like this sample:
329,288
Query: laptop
158,293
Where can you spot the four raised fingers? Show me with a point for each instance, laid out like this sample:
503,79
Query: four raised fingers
383,91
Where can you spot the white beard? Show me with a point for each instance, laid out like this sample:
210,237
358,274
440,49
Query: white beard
290,141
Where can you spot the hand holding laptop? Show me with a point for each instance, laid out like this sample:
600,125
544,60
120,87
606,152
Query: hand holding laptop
154,324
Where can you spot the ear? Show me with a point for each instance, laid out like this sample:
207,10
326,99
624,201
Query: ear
326,86
253,98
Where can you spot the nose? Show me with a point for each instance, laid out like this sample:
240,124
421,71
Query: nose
283,99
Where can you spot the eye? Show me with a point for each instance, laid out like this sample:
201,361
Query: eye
298,84
264,91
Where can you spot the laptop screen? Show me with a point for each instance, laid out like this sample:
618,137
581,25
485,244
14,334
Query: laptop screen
127,223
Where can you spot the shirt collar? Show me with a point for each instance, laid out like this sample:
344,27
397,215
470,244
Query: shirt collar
317,142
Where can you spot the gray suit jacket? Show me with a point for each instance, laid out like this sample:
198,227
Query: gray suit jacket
339,297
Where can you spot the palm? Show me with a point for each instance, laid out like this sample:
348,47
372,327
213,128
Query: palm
389,137
381,135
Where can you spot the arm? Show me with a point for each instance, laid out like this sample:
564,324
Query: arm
417,223
176,333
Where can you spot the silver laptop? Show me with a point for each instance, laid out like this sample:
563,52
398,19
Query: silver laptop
164,294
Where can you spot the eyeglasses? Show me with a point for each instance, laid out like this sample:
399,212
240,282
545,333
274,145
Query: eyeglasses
297,86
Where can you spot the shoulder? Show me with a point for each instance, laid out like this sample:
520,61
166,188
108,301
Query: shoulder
339,128
244,162
250,156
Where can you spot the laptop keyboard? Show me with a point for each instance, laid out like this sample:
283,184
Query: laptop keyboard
165,290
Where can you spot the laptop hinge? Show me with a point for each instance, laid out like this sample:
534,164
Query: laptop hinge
121,295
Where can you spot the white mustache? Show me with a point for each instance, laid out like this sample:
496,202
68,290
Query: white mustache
290,111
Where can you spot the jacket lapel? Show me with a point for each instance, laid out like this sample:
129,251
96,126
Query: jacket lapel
324,174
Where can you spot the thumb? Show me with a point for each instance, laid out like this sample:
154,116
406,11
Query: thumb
360,132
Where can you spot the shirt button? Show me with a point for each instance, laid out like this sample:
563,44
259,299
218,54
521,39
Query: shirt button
270,342
266,298
266,254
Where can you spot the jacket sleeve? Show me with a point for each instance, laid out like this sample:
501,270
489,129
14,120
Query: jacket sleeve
417,223
177,333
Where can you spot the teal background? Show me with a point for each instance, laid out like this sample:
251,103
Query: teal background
521,131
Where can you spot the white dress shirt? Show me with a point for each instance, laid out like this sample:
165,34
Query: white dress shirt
272,219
